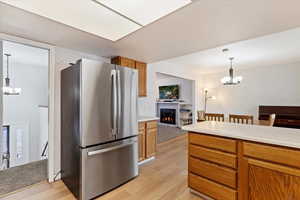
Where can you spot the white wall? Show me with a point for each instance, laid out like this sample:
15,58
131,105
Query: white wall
146,105
24,108
185,86
277,85
62,59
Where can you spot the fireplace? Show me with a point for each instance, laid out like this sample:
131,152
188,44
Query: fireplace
168,116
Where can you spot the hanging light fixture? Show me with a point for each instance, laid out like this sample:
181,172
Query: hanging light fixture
7,89
231,80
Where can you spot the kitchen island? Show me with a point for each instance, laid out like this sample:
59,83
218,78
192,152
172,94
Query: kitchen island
235,161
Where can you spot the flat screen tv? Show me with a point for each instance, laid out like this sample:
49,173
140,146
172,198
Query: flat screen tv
169,92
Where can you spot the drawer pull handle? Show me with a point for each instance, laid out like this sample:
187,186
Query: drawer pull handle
91,153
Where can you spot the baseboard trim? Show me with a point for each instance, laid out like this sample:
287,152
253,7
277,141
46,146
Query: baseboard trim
146,161
205,197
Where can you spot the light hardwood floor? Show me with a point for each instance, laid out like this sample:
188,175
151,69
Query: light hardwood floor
162,179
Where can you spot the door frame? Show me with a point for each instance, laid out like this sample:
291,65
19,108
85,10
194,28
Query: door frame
51,96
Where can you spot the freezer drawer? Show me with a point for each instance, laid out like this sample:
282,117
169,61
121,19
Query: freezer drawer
105,167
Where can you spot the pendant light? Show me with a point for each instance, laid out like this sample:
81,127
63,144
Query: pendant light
231,80
7,89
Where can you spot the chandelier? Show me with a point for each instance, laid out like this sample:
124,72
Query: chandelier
7,88
231,80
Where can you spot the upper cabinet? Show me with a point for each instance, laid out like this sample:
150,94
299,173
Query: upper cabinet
122,61
142,71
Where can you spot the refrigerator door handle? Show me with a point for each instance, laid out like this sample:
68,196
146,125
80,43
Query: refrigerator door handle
91,153
114,102
119,101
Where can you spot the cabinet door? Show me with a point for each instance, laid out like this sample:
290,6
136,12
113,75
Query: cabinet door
151,142
272,181
142,69
142,145
122,61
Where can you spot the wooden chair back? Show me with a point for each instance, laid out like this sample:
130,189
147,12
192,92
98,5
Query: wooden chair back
214,117
243,119
272,119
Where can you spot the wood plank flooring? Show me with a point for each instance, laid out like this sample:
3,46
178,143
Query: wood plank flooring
165,178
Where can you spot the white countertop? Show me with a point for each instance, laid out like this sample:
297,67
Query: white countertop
265,134
147,118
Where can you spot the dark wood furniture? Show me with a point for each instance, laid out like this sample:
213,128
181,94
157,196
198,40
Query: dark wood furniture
286,116
214,117
241,119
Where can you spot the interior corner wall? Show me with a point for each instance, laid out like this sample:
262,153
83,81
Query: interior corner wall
147,105
277,85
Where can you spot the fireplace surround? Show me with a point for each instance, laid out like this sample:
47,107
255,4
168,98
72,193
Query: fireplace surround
168,116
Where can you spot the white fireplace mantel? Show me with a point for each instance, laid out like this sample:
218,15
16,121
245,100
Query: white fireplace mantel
171,105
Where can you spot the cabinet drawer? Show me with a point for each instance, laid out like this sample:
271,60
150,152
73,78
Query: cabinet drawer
280,155
214,156
152,124
211,189
213,172
142,126
219,143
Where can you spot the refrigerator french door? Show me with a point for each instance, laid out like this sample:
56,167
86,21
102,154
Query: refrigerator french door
108,102
99,127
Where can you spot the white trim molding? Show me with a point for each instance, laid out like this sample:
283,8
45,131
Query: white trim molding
51,49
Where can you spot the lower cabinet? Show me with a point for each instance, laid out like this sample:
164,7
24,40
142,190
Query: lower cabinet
142,145
262,172
147,139
212,166
272,181
151,142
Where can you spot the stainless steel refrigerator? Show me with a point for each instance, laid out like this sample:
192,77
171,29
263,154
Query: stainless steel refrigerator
99,148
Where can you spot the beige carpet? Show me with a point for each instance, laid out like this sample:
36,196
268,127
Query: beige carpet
166,133
21,176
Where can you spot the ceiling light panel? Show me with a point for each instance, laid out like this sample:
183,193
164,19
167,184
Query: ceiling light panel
85,15
145,11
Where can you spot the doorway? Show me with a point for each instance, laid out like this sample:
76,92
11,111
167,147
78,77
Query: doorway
24,116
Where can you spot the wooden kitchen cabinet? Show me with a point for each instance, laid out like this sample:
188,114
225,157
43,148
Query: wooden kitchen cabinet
142,141
151,142
142,71
267,180
212,166
147,139
142,146
122,61
229,169
270,172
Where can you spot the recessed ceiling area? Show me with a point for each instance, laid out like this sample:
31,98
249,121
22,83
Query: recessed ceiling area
145,12
84,15
100,19
198,26
274,49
